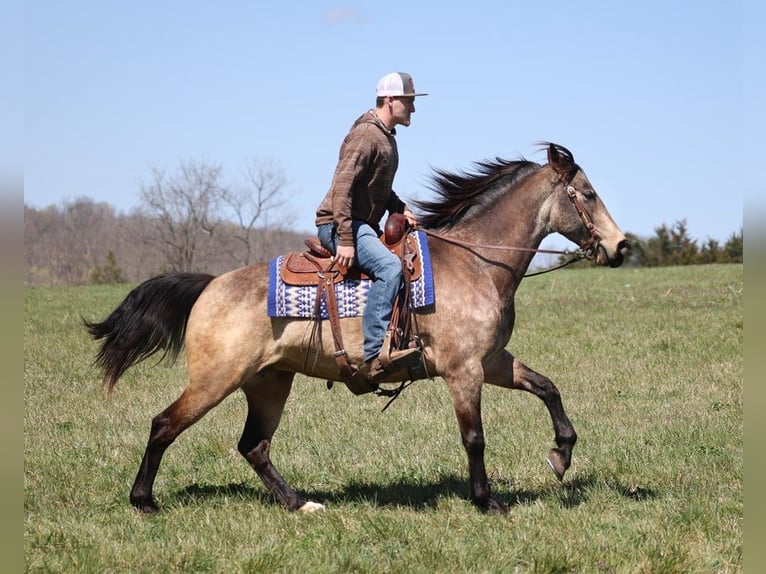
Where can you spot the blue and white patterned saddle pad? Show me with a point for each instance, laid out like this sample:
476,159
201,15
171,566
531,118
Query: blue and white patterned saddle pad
351,295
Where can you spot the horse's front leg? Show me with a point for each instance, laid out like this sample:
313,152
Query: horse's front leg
506,371
465,389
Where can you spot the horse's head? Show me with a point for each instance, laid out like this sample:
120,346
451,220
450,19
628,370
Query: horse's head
577,212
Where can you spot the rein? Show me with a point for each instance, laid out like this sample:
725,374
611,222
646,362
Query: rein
500,247
586,251
575,255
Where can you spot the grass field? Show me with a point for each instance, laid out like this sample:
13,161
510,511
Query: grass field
650,366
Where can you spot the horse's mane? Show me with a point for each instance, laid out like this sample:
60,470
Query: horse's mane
461,195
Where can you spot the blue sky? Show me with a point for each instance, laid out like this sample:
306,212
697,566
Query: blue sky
656,99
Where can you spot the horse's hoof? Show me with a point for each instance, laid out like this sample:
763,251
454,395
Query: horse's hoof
146,506
556,462
491,506
148,509
496,507
311,507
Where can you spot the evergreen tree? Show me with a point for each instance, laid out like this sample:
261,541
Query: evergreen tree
107,273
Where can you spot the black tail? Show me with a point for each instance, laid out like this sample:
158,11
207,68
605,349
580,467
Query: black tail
151,318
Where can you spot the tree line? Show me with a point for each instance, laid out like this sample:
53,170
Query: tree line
192,220
672,245
188,220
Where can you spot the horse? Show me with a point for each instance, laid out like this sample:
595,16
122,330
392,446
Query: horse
484,227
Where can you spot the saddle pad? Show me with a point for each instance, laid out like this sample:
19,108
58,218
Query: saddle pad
351,295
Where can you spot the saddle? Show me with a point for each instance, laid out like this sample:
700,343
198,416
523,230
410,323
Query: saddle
307,268
317,267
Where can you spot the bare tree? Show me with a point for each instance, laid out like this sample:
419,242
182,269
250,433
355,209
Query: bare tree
63,244
39,228
265,183
181,212
187,221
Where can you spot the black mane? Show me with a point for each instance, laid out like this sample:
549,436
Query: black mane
460,195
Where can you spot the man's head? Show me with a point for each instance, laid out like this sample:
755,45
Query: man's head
395,98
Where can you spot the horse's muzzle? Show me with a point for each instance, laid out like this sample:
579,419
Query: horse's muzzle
616,257
619,257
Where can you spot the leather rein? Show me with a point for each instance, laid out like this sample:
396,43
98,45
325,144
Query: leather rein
587,248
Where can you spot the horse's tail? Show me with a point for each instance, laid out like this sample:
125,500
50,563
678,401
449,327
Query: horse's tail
152,318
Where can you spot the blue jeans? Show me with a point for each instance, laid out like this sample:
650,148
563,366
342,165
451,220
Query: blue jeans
383,267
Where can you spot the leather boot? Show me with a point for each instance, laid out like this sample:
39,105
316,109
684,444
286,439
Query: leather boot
400,360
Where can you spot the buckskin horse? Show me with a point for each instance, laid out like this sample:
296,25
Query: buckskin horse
484,228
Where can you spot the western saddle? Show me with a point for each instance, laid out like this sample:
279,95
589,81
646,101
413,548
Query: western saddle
317,267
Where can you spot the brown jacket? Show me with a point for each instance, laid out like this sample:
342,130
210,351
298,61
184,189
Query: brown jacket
362,184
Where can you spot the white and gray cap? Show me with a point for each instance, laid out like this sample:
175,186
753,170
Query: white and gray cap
396,84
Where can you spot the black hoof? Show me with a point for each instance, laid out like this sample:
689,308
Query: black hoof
491,506
146,506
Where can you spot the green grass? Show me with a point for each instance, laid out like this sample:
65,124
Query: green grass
650,366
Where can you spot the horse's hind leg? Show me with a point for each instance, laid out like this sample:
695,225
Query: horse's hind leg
266,395
194,402
524,378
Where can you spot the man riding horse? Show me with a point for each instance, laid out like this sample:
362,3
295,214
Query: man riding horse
348,218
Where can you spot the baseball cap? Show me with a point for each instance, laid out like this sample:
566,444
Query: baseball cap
396,84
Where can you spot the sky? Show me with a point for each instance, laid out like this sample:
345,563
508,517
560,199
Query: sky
657,100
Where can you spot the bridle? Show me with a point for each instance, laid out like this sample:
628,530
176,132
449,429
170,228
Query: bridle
587,248
589,245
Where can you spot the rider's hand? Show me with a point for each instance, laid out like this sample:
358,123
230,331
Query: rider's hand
344,255
411,219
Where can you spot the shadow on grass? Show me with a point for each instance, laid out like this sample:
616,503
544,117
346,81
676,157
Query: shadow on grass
574,492
418,495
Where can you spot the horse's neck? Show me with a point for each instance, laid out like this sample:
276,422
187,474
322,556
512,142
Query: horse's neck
516,226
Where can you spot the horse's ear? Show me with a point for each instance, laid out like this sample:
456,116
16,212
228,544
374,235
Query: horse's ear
553,154
560,159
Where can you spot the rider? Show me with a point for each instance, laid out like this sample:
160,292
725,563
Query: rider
348,218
